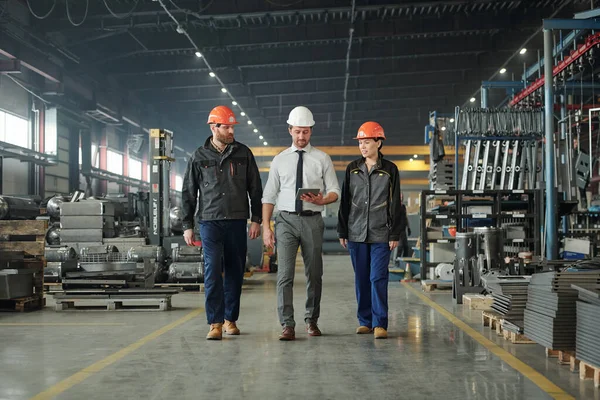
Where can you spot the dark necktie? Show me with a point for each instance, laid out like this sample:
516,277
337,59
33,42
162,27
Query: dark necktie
299,168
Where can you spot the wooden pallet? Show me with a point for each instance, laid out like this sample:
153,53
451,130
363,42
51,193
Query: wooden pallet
23,304
182,286
431,285
564,358
493,320
516,338
114,303
588,371
28,237
477,301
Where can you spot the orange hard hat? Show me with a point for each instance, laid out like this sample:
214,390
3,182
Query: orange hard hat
370,130
222,115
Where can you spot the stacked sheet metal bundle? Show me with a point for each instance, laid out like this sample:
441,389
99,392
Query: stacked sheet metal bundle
510,298
550,315
588,325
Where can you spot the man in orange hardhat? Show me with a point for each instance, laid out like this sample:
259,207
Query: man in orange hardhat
370,223
220,177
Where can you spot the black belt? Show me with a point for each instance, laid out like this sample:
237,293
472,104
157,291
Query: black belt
307,213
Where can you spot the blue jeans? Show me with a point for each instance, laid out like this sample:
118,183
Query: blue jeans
224,245
370,262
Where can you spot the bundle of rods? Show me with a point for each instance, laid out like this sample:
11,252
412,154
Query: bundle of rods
501,122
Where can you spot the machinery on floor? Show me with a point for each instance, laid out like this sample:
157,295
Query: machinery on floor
124,241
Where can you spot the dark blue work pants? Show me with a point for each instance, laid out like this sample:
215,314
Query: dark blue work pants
224,245
370,262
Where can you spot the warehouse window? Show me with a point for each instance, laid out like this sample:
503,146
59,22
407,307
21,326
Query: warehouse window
94,149
178,182
14,130
135,169
114,162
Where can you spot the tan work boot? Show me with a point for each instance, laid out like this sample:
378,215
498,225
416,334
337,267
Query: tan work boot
216,332
231,328
361,330
380,333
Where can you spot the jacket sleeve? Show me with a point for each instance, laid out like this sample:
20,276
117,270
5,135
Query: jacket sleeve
344,210
398,220
189,195
254,189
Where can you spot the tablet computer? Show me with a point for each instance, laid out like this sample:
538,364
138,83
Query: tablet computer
302,191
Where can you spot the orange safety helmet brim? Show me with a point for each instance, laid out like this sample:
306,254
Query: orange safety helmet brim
222,115
370,130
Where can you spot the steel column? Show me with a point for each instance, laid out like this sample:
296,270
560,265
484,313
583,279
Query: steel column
484,97
551,232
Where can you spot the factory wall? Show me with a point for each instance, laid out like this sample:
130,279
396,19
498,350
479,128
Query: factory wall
57,177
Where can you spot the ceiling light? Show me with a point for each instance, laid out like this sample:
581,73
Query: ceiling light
234,103
472,100
503,70
523,51
410,159
451,120
416,155
212,74
198,54
443,128
223,90
261,137
242,114
249,122
265,143
255,130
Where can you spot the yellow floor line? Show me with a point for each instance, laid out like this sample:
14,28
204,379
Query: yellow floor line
61,324
98,366
537,378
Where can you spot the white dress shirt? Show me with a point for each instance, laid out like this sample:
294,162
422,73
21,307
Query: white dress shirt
317,172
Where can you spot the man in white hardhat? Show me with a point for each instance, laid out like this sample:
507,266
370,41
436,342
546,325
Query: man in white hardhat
299,222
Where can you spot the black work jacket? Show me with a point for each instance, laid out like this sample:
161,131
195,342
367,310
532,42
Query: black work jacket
370,207
220,183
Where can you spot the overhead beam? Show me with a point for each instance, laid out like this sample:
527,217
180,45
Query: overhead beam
268,151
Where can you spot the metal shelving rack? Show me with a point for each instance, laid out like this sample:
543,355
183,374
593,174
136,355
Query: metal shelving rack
508,206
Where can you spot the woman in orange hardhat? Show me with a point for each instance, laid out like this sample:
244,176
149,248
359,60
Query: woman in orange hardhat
369,226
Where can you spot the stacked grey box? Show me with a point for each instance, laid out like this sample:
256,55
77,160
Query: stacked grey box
441,175
86,223
510,298
588,325
550,315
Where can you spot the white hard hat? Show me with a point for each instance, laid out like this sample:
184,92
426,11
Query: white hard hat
301,116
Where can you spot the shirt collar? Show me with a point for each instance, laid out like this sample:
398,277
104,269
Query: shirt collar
307,148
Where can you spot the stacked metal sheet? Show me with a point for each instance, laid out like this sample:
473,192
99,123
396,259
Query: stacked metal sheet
550,315
588,325
86,223
510,298
441,175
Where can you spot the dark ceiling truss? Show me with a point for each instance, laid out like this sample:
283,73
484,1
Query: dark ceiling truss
407,58
154,18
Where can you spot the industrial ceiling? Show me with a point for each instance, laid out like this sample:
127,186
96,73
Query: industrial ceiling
348,61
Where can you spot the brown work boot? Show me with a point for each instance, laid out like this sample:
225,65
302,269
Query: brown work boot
313,329
231,328
380,333
361,330
287,334
216,332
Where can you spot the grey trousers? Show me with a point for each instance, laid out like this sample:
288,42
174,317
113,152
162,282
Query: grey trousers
307,232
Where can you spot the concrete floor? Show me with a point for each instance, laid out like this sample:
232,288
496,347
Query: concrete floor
109,355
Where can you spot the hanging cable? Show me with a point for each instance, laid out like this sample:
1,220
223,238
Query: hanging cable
202,9
41,16
122,16
26,89
283,5
87,6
